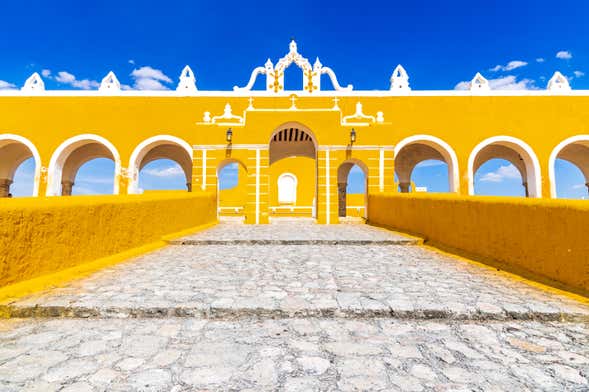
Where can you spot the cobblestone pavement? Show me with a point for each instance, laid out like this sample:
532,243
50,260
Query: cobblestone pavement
291,355
321,317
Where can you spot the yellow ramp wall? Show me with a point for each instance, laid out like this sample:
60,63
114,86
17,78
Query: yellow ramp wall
546,240
39,236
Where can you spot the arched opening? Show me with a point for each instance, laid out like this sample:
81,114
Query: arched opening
569,168
498,177
231,188
75,152
95,177
164,162
352,186
293,171
519,158
20,166
428,162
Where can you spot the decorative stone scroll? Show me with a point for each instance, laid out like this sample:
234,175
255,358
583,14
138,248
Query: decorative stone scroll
227,118
558,82
361,119
110,83
34,84
187,81
479,84
275,74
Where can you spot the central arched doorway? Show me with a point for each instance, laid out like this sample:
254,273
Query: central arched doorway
352,187
293,172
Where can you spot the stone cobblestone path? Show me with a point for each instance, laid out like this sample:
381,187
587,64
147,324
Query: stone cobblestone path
295,307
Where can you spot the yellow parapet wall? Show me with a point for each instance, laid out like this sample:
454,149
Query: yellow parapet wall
542,239
39,236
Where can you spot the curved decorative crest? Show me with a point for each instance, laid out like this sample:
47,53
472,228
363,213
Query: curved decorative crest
187,81
275,74
479,83
227,118
558,82
110,83
400,79
34,84
361,119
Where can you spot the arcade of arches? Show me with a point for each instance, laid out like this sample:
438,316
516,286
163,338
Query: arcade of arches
289,160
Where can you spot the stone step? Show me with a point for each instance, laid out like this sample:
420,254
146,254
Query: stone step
195,241
240,313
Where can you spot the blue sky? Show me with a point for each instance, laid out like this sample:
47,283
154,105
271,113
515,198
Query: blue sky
515,44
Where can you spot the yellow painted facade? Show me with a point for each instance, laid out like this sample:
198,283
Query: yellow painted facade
306,133
545,240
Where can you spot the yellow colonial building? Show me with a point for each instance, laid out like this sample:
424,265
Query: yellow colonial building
293,149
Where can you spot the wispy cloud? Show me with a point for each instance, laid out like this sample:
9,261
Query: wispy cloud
6,85
148,78
579,74
508,172
508,82
172,171
509,66
564,55
131,61
46,73
579,186
65,77
540,60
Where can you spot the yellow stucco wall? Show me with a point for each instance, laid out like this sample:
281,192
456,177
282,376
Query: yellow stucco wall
39,236
544,238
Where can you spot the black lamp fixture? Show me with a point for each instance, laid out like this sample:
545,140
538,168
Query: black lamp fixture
229,135
352,136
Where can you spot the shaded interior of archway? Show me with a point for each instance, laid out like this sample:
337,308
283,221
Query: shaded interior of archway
13,154
168,165
414,154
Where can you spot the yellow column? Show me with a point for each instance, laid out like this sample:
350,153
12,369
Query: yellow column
258,187
386,169
327,206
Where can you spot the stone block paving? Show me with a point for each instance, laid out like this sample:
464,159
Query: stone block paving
182,354
283,316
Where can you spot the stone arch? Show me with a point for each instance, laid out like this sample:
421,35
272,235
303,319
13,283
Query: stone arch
72,154
160,147
343,172
293,150
292,139
14,150
415,149
513,150
575,150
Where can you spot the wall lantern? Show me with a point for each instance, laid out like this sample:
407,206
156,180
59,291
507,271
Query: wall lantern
352,136
229,135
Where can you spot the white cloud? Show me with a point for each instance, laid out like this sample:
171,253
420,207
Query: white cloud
564,55
579,186
540,60
131,61
508,172
46,73
68,78
148,78
578,74
173,171
509,66
508,82
6,85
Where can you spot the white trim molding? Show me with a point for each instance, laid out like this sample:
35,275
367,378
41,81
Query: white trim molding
533,172
34,153
443,148
62,152
143,148
554,157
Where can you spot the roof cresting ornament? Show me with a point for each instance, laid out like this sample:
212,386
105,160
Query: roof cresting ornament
311,74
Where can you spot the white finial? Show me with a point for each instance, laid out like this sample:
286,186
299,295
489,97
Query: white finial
34,84
400,79
558,82
110,83
479,83
187,81
335,104
293,45
292,100
206,117
317,65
